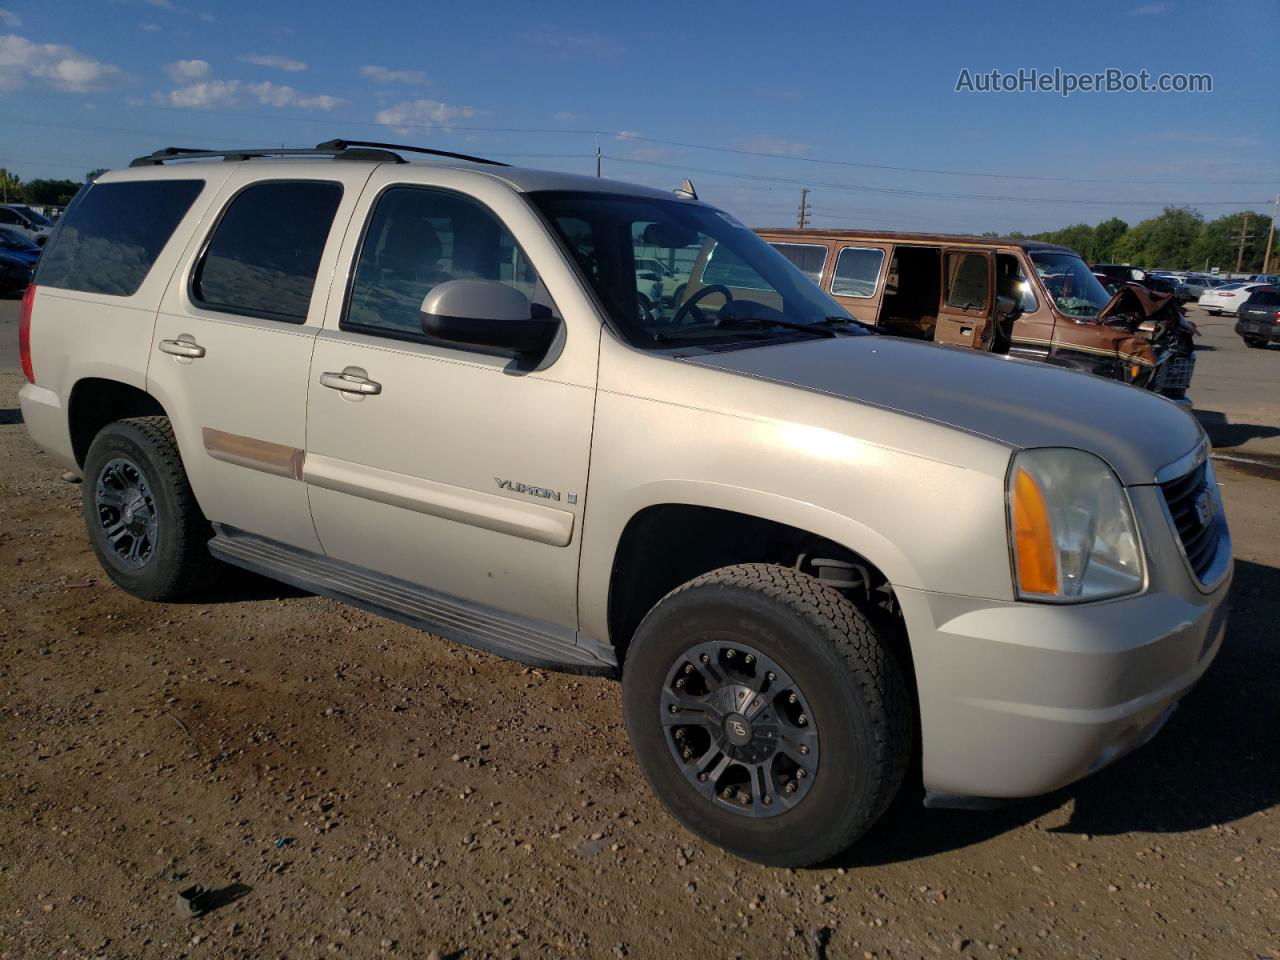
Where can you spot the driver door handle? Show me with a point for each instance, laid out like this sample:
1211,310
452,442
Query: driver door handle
184,346
351,380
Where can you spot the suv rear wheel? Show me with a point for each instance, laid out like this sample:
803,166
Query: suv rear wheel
142,518
766,713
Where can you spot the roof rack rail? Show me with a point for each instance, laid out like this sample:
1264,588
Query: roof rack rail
323,150
338,149
346,144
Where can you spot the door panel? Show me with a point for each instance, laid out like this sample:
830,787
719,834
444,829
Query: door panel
463,472
967,300
235,384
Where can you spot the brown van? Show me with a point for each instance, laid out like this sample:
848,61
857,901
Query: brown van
1022,298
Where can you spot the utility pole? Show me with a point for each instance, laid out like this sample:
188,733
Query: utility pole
597,156
1271,235
1244,226
802,220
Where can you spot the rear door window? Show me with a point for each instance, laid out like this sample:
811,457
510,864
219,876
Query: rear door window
857,271
809,258
111,234
262,258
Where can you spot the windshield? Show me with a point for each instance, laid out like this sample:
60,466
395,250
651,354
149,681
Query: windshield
724,286
1073,287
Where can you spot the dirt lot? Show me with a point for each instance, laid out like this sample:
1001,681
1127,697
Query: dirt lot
351,787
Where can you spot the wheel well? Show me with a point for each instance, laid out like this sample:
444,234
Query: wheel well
96,402
670,544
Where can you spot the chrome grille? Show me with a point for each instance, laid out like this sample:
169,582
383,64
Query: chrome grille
1199,537
1175,373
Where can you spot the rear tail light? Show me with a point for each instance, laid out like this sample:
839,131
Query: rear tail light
1277,319
24,333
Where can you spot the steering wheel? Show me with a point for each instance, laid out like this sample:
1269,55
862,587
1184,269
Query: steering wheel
691,305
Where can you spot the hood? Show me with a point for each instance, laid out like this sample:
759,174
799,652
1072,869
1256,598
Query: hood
1133,297
1018,403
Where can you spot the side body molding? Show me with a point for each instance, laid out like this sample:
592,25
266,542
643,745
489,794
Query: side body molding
530,521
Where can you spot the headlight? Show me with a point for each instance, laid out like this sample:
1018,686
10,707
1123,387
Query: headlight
1071,528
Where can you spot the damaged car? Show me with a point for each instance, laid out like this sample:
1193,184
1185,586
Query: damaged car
1019,298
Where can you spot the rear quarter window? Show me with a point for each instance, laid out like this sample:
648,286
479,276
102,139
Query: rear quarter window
111,234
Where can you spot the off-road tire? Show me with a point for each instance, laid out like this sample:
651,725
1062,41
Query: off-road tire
860,703
180,564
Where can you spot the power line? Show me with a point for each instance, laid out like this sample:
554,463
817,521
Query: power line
689,145
902,192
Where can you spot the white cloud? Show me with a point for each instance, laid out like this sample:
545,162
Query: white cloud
763,143
224,93
205,16
181,70
280,95
421,115
275,61
149,28
9,18
564,116
56,64
387,75
627,135
211,93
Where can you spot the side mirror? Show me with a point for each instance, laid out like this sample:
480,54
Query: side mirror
485,313
1008,307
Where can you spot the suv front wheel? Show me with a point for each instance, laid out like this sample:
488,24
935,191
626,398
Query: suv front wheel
141,516
767,714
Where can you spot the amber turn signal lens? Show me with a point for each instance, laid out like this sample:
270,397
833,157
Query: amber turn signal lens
1033,537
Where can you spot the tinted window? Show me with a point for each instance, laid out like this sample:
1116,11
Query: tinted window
808,258
966,281
112,233
857,270
9,217
262,258
1264,298
726,268
418,238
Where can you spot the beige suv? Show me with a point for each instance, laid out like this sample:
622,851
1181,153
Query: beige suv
817,556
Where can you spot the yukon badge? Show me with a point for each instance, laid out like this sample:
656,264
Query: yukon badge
516,486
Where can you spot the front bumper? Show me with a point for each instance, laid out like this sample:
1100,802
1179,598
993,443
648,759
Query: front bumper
1018,699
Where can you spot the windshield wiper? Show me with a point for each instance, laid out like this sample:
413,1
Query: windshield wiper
746,325
838,321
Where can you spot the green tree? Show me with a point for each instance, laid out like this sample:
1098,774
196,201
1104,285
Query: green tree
1105,236
50,192
1163,241
10,185
1219,242
94,174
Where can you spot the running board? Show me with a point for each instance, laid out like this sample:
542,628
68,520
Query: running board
486,628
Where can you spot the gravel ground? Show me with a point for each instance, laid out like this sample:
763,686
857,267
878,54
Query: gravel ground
348,786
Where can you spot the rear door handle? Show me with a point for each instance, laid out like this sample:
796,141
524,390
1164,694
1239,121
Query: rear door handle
351,380
184,346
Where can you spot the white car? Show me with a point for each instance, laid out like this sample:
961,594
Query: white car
1226,298
26,221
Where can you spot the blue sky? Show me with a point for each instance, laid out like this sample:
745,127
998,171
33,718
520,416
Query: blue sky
869,85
